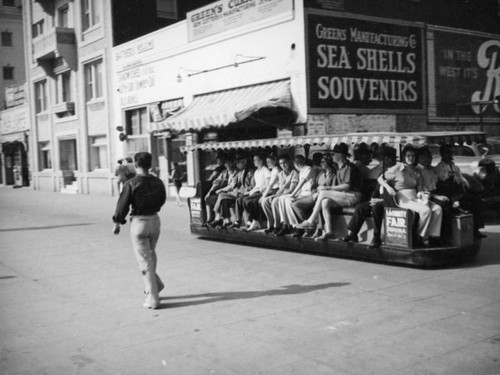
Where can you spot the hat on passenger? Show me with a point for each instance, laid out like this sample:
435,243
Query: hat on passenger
389,152
221,155
241,155
342,148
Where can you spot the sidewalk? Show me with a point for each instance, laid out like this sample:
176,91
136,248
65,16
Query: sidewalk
71,296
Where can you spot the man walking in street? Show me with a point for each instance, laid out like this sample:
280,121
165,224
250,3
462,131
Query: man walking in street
146,194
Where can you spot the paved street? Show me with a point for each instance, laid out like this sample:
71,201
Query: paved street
71,303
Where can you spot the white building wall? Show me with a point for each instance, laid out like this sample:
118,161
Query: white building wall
147,70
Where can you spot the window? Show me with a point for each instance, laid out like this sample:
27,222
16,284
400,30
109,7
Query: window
6,39
135,121
8,72
98,152
9,3
45,158
63,87
93,80
62,16
90,13
40,96
37,28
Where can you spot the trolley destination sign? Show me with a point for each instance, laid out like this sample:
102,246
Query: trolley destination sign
359,65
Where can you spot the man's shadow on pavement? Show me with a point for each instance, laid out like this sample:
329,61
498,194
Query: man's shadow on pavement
231,296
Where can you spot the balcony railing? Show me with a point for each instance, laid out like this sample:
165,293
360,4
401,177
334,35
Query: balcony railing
59,41
63,108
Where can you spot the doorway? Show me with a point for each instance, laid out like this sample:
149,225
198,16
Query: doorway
68,161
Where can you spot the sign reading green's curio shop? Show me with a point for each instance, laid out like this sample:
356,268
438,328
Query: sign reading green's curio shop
467,69
359,65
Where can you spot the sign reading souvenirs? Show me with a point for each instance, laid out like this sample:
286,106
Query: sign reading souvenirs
397,223
467,69
223,15
358,65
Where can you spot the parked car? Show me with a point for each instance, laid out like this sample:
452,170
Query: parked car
467,157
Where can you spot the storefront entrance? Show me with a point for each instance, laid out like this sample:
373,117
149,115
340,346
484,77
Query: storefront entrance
68,162
15,163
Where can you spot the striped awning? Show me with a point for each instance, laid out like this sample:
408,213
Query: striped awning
329,141
218,109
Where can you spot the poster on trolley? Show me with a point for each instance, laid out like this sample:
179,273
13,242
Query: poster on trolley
363,65
398,223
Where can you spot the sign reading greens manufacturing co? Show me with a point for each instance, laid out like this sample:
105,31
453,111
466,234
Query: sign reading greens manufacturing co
359,65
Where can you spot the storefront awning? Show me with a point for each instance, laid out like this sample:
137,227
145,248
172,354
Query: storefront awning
328,141
222,108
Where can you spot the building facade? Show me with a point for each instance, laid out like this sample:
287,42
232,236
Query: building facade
343,70
14,127
106,79
11,48
68,46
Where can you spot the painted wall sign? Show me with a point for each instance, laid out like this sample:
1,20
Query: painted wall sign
357,65
223,15
467,69
325,4
397,224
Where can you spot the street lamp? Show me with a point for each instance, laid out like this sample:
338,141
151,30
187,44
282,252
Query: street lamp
482,104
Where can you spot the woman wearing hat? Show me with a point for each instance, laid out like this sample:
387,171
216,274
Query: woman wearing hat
406,180
345,191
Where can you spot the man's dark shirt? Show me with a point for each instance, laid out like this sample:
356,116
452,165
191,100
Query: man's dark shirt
146,195
349,174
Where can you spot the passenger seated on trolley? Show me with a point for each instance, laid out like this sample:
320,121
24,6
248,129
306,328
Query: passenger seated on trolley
303,189
220,182
452,184
220,161
250,202
429,183
225,183
316,162
302,207
244,182
374,207
344,193
362,159
407,181
288,180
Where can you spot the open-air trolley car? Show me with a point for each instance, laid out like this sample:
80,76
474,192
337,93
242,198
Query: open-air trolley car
399,245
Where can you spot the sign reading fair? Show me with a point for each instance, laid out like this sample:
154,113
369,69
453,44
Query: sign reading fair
397,224
224,15
467,69
360,65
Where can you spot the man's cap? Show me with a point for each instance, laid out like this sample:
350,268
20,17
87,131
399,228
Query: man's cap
241,155
389,152
342,148
221,155
445,147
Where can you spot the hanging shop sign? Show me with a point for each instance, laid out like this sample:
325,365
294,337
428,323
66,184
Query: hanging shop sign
466,70
224,15
359,65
